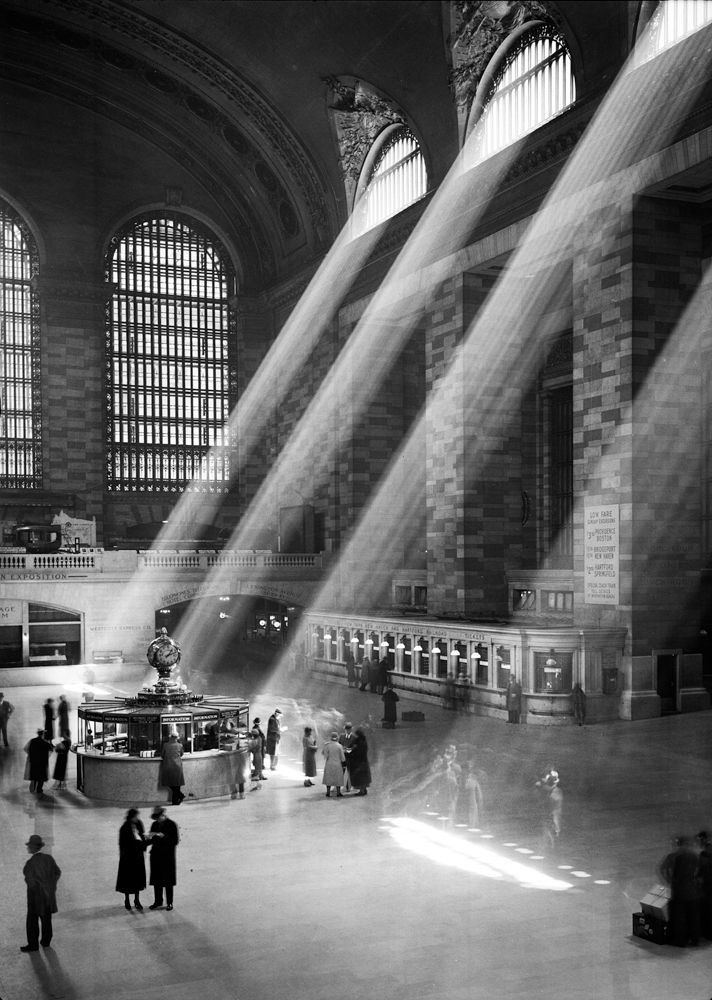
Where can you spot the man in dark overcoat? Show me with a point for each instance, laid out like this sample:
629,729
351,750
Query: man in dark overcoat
164,839
41,875
38,752
274,735
514,699
172,768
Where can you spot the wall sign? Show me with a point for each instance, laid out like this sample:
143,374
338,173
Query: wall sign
601,554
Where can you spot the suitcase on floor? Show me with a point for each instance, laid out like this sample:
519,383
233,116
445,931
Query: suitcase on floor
413,716
651,928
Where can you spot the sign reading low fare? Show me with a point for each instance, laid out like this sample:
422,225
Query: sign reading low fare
601,554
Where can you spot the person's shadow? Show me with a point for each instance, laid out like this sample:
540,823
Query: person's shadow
51,976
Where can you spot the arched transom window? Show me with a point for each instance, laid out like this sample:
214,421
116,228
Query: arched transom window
534,82
672,21
20,402
170,358
395,178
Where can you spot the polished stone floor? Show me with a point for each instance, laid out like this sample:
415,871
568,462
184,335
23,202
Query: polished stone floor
289,895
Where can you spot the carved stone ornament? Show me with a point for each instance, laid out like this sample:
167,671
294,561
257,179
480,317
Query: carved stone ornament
358,115
478,29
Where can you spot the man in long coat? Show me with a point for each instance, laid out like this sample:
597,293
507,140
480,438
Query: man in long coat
41,875
164,840
274,735
38,751
172,768
514,699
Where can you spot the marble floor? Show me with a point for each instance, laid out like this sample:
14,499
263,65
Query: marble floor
287,894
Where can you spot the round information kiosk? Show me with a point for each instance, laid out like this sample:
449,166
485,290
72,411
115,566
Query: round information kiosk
120,739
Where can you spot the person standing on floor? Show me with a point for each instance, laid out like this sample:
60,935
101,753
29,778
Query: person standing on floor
347,741
6,710
41,873
172,768
309,748
131,876
274,735
390,712
350,665
60,768
334,765
63,709
514,699
578,699
473,796
359,768
49,716
38,750
164,840
257,748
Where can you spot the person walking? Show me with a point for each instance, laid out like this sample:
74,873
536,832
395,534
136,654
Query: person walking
41,873
473,796
6,710
274,735
38,750
514,699
334,765
131,876
172,768
162,863
550,786
309,748
680,869
359,768
63,709
49,716
578,699
390,712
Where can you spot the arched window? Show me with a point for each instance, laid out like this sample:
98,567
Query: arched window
394,177
673,20
20,401
532,84
170,357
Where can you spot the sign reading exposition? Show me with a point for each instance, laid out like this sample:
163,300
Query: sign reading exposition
601,552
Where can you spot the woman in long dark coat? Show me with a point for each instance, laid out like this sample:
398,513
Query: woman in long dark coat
359,769
131,877
172,768
164,839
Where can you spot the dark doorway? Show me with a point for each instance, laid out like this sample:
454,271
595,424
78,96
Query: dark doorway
667,682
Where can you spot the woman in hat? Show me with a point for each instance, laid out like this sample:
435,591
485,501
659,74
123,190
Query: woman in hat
164,839
359,768
309,746
131,877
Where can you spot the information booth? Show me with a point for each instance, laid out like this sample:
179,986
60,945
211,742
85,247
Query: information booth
120,741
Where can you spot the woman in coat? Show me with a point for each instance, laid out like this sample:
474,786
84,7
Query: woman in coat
309,745
333,766
359,768
172,768
164,839
131,877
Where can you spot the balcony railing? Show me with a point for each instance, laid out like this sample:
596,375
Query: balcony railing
128,561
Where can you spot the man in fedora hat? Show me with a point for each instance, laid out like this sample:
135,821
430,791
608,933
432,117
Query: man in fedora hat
164,838
41,875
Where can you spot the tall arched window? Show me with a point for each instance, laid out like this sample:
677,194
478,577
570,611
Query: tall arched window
532,84
170,357
394,177
673,20
20,401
